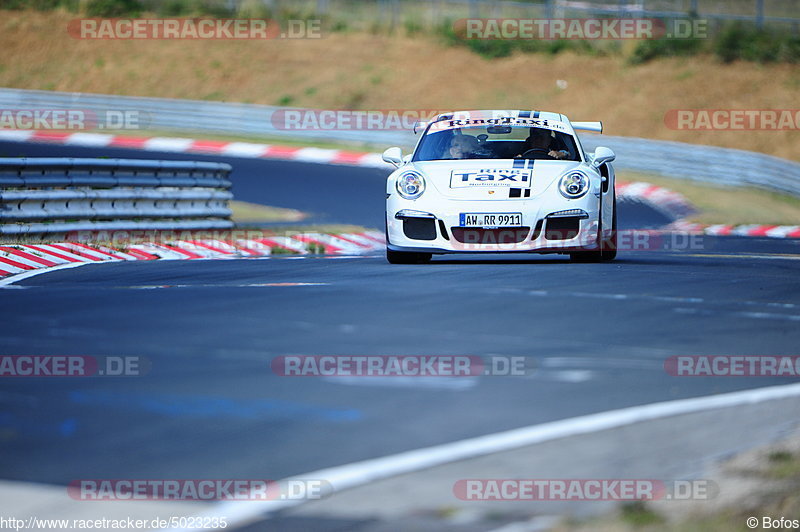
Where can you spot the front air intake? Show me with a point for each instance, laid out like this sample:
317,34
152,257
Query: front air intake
562,228
476,235
420,228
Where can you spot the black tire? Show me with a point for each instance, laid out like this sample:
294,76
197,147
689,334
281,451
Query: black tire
407,257
608,246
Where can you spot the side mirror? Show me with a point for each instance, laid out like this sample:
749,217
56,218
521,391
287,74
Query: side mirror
602,155
393,156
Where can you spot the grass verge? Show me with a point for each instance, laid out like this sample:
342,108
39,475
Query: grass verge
771,478
245,212
727,205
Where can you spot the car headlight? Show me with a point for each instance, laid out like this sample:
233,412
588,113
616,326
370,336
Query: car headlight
573,185
410,185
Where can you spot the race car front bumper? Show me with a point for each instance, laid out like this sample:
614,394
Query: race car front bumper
559,225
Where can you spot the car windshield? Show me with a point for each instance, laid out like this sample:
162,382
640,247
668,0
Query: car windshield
497,142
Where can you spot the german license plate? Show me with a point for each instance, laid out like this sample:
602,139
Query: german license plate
490,219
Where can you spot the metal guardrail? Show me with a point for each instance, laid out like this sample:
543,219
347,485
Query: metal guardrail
438,11
720,166
163,114
435,12
723,166
58,195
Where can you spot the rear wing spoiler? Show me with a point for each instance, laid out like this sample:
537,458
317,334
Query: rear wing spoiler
588,126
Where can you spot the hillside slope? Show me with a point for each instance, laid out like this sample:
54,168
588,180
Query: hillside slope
397,72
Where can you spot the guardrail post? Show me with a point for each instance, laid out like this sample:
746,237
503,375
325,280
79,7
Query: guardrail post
760,13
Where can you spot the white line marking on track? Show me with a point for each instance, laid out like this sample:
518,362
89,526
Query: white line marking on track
675,299
768,316
572,376
742,314
360,473
540,522
430,383
248,285
602,363
774,256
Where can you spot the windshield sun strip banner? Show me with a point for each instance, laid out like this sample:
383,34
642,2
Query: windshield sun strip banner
456,123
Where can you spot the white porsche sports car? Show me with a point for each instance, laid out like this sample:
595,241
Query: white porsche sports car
500,182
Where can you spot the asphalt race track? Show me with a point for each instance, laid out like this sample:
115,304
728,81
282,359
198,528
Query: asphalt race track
210,407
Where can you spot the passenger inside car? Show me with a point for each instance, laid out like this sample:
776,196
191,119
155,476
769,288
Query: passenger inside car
463,147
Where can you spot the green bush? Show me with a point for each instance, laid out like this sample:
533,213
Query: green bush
413,26
497,48
789,51
486,48
289,11
171,8
531,46
728,43
742,42
739,41
638,514
113,8
447,34
40,5
339,26
253,9
734,42
180,8
490,48
653,48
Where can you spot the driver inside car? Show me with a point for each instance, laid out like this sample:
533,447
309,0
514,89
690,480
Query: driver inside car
538,146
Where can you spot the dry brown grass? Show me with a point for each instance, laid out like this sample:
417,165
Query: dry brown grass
759,482
379,72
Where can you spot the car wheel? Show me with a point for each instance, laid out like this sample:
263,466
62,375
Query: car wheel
608,246
406,257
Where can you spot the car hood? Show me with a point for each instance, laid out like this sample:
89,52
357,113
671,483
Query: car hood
491,179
